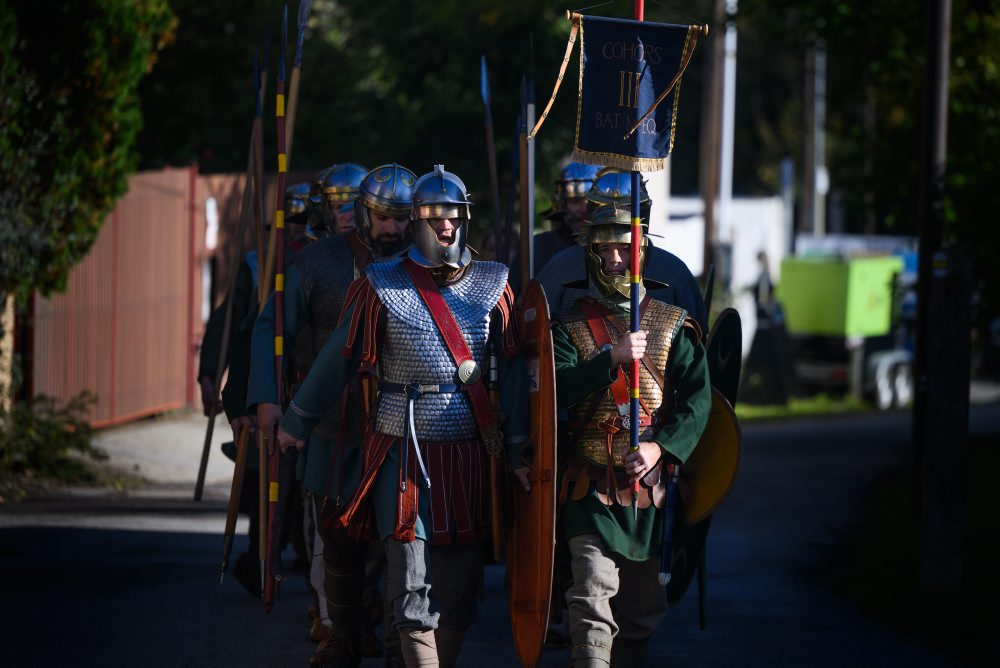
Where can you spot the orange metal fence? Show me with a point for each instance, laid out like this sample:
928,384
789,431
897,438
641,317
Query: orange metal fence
124,327
129,326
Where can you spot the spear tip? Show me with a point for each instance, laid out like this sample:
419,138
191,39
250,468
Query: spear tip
304,8
484,81
284,42
303,20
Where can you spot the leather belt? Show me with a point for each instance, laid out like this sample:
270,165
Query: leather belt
416,389
616,423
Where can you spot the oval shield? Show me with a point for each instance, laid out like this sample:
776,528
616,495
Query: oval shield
531,539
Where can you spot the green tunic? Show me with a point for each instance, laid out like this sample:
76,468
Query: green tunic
327,379
634,537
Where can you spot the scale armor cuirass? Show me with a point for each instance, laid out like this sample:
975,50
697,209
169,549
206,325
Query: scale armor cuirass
414,352
327,271
661,322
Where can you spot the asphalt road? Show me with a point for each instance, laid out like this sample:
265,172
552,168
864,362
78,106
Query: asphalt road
92,581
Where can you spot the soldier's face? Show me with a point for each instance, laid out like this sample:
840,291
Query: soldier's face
296,231
576,211
615,257
445,228
387,230
343,220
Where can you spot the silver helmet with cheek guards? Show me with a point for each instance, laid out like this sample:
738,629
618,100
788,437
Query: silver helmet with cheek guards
338,188
388,190
296,204
440,195
575,181
614,186
340,184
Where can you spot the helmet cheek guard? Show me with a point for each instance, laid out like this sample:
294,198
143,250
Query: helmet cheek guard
439,195
610,224
296,204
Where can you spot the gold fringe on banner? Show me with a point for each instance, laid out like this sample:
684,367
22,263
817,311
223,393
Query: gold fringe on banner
574,28
620,161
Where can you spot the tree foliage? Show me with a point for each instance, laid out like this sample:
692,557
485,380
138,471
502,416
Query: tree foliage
41,437
400,81
875,114
381,82
69,116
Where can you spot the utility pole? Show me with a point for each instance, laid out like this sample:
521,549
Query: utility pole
821,176
711,105
941,403
807,199
727,135
815,180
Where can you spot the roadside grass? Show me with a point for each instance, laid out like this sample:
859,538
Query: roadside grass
878,567
813,406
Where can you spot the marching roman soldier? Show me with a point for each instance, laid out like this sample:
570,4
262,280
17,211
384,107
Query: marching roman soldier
237,360
315,291
614,534
671,281
430,323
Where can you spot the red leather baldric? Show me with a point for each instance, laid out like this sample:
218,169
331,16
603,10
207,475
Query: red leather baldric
454,341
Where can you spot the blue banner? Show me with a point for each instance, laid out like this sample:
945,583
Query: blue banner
630,73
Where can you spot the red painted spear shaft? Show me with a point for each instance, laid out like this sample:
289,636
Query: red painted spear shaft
636,243
274,461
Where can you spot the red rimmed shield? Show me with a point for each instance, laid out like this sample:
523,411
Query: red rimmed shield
531,539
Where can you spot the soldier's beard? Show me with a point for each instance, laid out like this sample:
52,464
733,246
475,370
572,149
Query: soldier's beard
574,225
389,245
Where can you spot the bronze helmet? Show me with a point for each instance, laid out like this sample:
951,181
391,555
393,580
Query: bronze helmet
610,223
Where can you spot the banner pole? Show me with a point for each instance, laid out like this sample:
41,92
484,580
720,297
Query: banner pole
636,243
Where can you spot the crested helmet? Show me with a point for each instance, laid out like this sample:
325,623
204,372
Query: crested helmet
387,189
440,194
614,186
610,223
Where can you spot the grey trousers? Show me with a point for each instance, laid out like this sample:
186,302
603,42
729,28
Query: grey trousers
429,586
611,598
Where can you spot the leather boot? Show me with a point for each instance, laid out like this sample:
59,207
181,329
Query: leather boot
335,652
449,642
418,647
627,653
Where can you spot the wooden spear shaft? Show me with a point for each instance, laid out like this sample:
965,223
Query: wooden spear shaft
235,492
227,323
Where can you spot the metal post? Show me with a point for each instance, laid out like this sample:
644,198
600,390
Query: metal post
711,113
941,402
821,177
727,134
